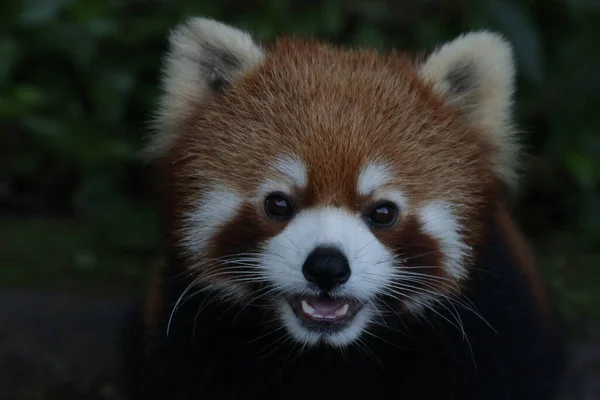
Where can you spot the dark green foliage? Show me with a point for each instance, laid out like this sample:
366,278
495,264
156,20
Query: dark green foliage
78,81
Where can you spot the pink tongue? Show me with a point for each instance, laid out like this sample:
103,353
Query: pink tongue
325,306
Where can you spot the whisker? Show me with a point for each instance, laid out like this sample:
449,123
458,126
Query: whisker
361,346
390,291
283,339
266,334
254,299
292,242
207,301
357,255
192,284
384,340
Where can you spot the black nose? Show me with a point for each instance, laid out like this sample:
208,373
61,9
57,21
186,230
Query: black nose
326,267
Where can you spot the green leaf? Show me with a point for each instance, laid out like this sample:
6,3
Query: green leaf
29,96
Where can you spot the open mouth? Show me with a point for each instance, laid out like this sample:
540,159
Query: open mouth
324,311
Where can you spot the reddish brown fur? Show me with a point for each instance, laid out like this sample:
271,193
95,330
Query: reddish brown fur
336,110
326,105
242,234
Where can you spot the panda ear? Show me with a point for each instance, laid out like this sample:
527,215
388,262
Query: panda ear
475,73
204,57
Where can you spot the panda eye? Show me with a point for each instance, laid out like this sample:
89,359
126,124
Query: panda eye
383,214
278,206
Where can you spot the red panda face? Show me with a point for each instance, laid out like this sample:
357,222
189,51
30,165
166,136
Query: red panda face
334,187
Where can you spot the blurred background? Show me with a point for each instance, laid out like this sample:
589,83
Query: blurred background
78,223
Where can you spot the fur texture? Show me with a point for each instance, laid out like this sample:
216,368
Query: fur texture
475,72
268,155
204,55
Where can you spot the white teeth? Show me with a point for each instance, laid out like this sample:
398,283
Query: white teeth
343,310
307,308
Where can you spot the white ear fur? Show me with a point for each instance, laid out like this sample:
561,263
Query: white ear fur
475,72
203,56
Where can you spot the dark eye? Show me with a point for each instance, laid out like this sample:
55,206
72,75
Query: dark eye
278,206
384,214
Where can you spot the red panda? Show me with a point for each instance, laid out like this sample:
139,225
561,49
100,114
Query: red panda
337,228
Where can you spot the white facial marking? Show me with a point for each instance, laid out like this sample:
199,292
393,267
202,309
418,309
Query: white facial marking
396,196
215,208
370,262
293,170
291,173
439,221
372,177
